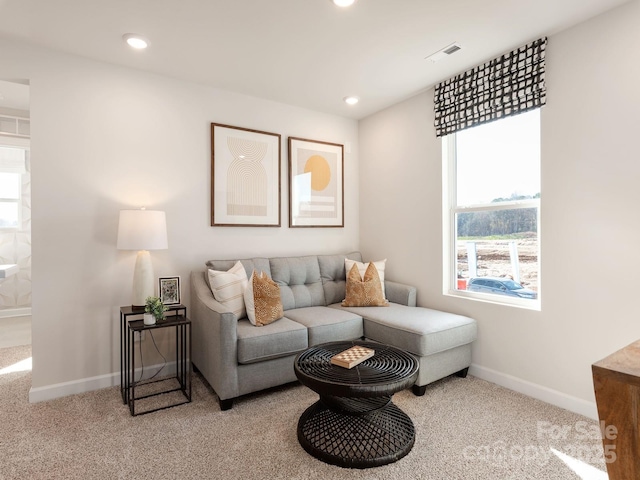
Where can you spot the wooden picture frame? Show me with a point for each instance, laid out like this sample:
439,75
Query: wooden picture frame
169,290
245,177
316,183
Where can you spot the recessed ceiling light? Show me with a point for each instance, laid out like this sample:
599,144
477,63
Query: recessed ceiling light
136,41
344,3
351,100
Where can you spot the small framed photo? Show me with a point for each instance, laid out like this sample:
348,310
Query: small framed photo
169,290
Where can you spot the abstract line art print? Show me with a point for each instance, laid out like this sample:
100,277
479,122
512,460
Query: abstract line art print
245,177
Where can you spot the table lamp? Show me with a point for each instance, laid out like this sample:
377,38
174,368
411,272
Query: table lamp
142,230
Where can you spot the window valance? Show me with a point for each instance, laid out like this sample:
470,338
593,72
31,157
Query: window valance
507,85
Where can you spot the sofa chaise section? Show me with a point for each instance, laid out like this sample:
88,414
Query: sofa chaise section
440,341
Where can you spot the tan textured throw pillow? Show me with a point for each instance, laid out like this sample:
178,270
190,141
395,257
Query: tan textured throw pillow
364,292
362,268
262,299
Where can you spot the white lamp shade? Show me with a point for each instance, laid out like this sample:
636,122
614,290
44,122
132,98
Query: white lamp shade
142,230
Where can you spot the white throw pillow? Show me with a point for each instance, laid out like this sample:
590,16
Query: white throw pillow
249,301
228,288
362,268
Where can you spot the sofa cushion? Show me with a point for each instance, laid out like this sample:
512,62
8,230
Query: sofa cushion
327,324
421,331
278,339
299,281
262,300
364,291
333,275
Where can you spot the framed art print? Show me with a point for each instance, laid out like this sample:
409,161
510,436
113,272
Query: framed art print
245,177
316,183
169,290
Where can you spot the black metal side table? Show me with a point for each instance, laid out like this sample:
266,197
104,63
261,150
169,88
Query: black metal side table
176,317
355,424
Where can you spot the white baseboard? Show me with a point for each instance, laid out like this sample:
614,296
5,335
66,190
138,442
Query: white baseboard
15,312
559,399
58,390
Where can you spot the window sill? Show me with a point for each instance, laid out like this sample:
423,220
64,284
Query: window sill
534,305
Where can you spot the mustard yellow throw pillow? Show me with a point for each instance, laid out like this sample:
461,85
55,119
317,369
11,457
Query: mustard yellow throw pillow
364,292
262,299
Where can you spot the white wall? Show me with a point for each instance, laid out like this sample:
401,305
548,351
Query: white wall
590,220
105,138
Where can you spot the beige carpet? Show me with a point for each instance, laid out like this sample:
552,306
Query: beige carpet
15,331
465,429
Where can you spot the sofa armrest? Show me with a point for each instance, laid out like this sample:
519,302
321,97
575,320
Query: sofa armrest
400,293
215,337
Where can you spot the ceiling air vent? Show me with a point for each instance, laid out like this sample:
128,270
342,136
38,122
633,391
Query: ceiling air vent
440,54
452,48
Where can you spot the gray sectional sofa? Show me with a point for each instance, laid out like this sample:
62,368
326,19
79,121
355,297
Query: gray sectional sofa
237,358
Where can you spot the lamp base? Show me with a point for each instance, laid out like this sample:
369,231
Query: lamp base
143,280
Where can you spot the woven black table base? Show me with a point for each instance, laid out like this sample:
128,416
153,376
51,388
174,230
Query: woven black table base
355,424
356,441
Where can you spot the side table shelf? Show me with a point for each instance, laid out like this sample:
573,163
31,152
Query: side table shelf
131,323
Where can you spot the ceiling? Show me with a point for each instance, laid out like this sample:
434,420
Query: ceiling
308,53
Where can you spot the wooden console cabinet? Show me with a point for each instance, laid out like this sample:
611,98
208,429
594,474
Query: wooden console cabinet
616,380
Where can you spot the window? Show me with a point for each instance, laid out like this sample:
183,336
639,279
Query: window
12,166
492,206
9,200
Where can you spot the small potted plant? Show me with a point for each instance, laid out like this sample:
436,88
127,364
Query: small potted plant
154,310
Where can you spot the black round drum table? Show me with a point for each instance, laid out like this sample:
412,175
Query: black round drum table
355,424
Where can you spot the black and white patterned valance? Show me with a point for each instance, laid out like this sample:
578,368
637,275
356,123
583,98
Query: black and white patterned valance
507,85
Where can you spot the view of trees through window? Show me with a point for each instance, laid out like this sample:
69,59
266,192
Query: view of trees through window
504,242
498,222
496,210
